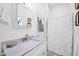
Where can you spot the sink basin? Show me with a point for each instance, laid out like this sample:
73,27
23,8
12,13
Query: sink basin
36,40
10,46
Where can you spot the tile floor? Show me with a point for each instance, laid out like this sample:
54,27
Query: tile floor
50,53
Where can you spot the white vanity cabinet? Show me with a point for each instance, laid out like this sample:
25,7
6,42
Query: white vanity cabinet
28,48
38,51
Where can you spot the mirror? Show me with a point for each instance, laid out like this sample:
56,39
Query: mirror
40,21
23,16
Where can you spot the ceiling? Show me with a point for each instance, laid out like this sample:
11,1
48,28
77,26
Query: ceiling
51,5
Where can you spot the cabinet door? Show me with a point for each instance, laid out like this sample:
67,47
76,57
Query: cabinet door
38,51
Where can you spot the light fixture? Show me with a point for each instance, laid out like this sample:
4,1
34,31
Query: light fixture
29,5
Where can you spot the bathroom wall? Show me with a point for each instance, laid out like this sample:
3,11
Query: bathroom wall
76,36
8,32
60,29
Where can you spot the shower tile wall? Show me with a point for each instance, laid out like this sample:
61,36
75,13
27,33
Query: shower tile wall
60,35
60,30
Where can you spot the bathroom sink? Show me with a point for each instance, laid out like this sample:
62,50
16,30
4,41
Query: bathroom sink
10,46
36,40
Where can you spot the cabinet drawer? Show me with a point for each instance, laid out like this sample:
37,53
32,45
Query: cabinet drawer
41,51
38,51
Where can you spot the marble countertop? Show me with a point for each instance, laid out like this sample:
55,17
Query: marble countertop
23,48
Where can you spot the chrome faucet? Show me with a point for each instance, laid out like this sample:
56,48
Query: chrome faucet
26,37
